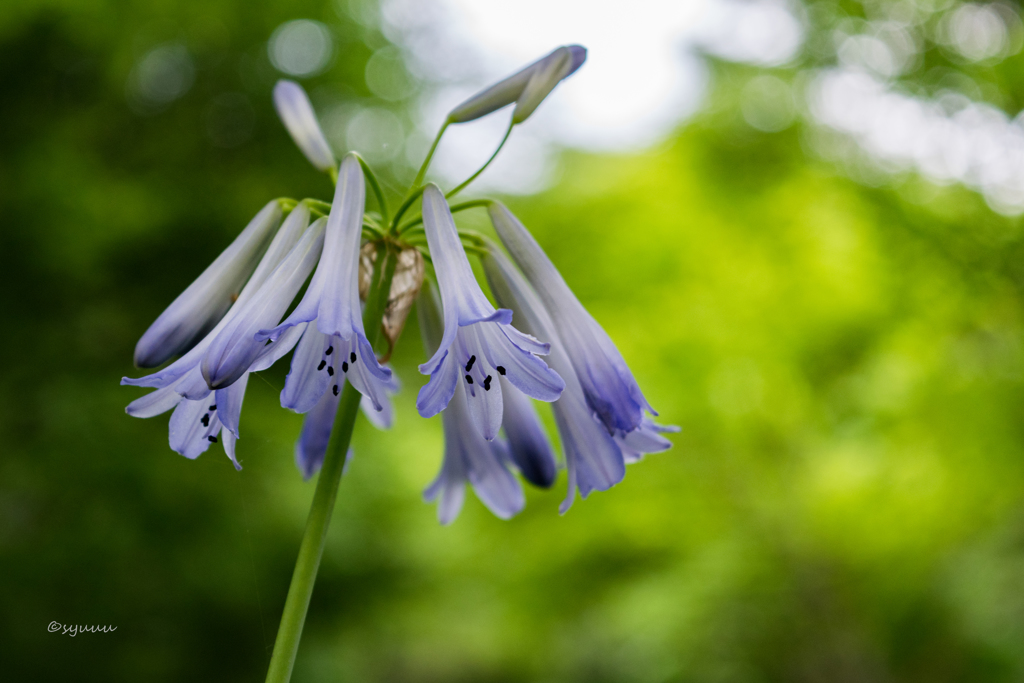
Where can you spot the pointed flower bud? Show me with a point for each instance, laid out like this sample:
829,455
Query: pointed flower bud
297,114
526,88
467,455
204,302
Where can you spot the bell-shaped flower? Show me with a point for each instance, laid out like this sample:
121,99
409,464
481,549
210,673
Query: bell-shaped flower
337,340
297,114
608,385
479,343
311,447
184,373
207,299
235,348
323,362
202,416
467,455
195,424
595,459
526,88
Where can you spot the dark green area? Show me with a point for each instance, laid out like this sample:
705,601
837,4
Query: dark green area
845,501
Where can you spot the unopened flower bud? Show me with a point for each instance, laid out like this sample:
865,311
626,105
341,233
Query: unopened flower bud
298,117
526,88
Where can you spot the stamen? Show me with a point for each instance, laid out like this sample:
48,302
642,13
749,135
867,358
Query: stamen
211,439
501,370
352,356
329,351
205,419
322,364
344,366
469,380
335,390
330,370
487,383
469,365
213,407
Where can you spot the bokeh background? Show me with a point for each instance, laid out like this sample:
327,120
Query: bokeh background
798,221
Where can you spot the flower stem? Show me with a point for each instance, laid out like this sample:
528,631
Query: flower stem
430,155
455,208
381,202
480,170
315,536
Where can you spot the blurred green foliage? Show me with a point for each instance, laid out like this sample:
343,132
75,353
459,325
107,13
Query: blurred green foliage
844,502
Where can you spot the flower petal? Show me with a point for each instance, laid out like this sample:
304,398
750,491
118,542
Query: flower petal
363,371
339,311
527,443
316,435
282,243
484,460
593,458
197,310
463,301
276,350
297,114
229,448
235,348
480,382
193,428
449,489
439,389
527,373
609,386
229,403
154,403
306,382
644,439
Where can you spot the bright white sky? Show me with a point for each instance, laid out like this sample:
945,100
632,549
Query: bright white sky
642,77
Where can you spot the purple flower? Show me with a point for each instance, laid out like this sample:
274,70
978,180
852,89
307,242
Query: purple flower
235,347
467,455
608,385
527,87
198,418
298,117
311,447
205,301
528,445
195,424
334,345
595,459
479,344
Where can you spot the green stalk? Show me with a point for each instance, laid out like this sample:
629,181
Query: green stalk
381,203
455,208
430,155
480,170
315,536
413,196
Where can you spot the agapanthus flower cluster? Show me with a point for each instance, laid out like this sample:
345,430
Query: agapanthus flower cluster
362,272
